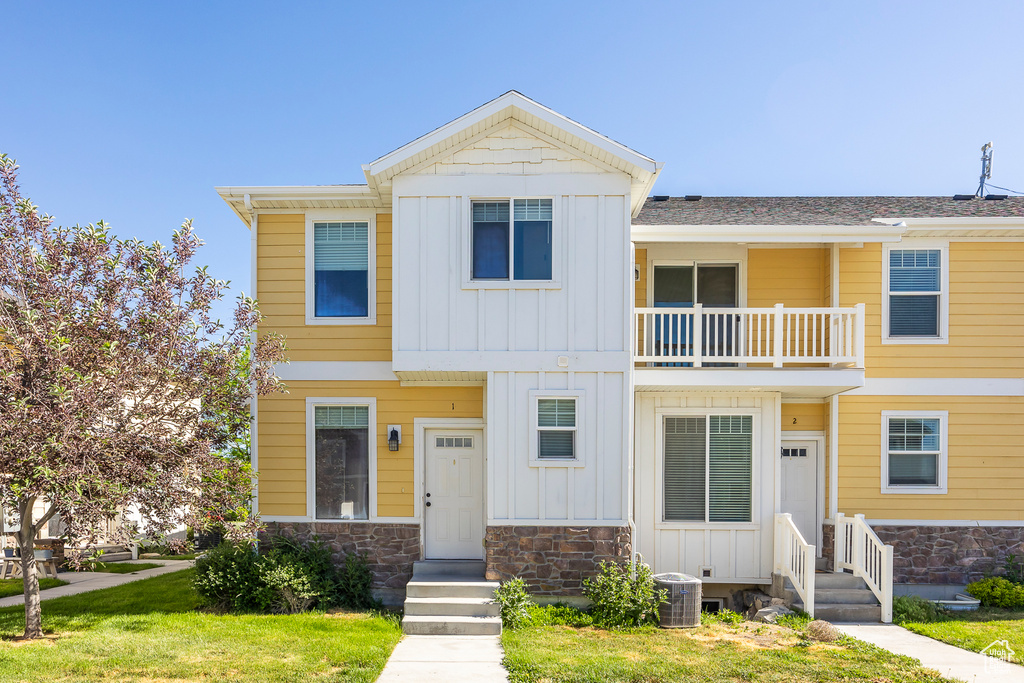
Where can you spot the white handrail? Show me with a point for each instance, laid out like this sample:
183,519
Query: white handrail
794,559
773,336
858,548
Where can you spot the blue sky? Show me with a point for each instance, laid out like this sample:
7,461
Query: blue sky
133,112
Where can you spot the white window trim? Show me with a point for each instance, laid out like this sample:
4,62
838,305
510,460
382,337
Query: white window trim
323,215
741,274
755,470
941,460
913,243
578,394
557,238
311,403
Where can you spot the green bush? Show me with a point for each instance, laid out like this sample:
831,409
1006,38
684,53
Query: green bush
914,608
559,614
231,577
998,592
514,601
623,596
285,576
722,616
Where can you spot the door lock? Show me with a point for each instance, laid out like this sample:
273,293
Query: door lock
428,503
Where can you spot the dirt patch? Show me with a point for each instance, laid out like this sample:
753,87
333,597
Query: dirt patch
19,641
759,637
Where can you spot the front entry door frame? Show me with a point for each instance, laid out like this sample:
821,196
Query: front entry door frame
420,427
819,439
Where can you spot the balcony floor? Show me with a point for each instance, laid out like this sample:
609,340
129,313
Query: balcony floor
790,382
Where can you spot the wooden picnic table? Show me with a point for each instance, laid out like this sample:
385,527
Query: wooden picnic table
11,568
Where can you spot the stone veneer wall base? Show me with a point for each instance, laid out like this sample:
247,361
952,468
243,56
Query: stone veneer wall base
553,560
390,549
943,554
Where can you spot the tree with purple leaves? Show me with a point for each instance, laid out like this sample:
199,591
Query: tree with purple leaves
118,388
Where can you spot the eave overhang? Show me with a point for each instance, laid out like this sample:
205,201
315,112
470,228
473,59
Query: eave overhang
767,234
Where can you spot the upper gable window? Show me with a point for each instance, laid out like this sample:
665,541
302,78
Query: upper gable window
512,239
917,297
340,272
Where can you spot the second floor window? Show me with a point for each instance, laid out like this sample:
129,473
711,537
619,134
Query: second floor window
512,239
341,264
915,290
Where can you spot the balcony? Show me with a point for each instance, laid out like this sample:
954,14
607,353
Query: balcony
801,352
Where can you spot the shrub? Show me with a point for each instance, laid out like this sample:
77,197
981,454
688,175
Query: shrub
231,577
798,620
623,596
514,601
559,614
176,546
285,576
914,608
998,592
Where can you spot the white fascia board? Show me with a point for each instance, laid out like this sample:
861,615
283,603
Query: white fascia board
827,234
507,101
940,386
272,192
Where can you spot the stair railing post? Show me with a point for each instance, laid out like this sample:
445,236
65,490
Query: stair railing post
838,542
858,545
809,579
887,570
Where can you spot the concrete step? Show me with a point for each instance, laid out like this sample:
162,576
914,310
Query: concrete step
423,625
844,596
839,613
837,580
115,557
431,586
451,568
454,607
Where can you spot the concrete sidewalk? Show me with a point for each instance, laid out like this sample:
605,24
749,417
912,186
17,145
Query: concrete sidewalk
951,662
446,659
82,582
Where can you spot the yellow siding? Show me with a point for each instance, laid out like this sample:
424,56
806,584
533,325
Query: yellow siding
282,439
986,313
985,462
794,277
641,284
281,286
803,417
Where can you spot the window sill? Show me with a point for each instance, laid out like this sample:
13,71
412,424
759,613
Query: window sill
709,526
913,490
534,462
915,340
340,321
511,284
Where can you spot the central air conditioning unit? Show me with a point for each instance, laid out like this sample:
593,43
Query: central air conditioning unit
682,609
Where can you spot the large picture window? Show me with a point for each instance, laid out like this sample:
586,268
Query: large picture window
342,461
708,463
341,255
914,452
512,239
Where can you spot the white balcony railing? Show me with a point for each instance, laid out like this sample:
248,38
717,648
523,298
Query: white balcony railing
859,549
779,336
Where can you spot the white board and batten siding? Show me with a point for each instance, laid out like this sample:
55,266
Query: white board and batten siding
735,552
569,334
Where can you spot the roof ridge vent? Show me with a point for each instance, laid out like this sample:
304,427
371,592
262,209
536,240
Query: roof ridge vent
660,198
963,197
996,197
692,197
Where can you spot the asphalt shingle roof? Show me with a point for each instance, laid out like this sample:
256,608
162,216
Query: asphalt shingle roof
818,210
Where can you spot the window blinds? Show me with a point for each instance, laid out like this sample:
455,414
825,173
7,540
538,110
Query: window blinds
556,433
685,473
914,288
729,458
914,447
341,246
334,417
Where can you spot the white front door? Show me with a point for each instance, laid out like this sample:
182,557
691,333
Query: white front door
453,497
800,485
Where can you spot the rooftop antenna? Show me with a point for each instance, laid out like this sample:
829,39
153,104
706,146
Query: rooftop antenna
986,168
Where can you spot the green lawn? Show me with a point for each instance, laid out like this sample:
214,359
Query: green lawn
150,630
122,567
9,587
711,654
185,556
976,630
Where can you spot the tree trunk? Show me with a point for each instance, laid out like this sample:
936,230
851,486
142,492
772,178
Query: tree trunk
26,540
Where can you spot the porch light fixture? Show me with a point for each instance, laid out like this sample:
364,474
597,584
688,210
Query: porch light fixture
394,437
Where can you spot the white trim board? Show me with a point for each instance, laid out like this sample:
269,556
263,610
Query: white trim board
335,370
940,386
941,522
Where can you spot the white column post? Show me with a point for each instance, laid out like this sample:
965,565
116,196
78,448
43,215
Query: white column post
777,343
858,337
698,334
